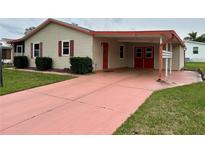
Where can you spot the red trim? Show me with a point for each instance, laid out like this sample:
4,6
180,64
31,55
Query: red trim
71,48
166,33
31,46
105,55
160,61
161,32
59,48
41,49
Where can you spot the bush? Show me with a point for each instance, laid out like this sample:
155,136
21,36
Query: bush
20,61
43,63
81,65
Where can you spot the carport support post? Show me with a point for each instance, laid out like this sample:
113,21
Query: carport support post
166,65
160,59
170,61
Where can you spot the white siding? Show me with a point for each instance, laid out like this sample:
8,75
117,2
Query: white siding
200,57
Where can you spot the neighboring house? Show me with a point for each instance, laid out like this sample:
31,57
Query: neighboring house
7,51
195,51
108,49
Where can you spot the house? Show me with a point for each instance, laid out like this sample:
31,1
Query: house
195,51
162,49
7,52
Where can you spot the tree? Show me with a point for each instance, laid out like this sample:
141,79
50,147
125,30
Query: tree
201,38
191,36
28,30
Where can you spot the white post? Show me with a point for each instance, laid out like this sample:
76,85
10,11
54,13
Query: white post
166,62
170,61
166,65
160,58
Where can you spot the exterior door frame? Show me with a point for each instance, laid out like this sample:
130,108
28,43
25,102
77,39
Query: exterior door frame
143,54
105,56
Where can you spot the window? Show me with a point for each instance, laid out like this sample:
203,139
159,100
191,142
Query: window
195,50
65,48
138,53
19,50
36,50
148,53
122,51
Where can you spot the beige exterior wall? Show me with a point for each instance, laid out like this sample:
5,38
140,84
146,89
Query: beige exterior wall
50,35
114,60
178,57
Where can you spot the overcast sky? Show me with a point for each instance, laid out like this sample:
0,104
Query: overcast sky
14,28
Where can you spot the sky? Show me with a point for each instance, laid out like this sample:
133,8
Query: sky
14,28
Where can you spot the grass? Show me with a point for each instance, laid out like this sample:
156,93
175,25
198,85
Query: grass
179,110
15,80
7,65
195,65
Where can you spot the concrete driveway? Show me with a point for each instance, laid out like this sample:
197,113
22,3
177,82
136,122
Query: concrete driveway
90,104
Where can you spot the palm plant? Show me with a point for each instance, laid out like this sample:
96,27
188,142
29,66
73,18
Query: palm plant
191,36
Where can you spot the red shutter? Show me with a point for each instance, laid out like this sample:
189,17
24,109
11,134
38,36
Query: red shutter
31,50
71,48
41,49
60,48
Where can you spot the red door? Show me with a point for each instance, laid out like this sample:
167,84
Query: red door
139,57
144,57
105,55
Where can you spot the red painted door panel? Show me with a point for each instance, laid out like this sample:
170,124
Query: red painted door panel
138,57
148,57
105,55
144,57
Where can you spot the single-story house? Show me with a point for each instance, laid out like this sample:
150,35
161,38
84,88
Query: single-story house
160,49
7,51
195,51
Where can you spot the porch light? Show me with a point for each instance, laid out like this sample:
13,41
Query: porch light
1,77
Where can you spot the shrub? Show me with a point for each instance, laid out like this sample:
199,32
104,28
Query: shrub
20,61
43,63
81,65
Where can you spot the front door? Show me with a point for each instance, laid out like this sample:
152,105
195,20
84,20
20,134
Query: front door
144,57
105,55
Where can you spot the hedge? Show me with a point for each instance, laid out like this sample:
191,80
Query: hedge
20,61
81,65
43,63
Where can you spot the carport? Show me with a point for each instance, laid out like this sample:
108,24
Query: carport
160,50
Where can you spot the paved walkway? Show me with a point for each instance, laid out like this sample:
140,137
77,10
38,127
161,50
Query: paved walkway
91,104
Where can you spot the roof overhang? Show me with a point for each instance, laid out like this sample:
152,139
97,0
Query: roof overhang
141,36
123,34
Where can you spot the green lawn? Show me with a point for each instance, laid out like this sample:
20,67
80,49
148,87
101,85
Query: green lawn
195,65
179,110
20,80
